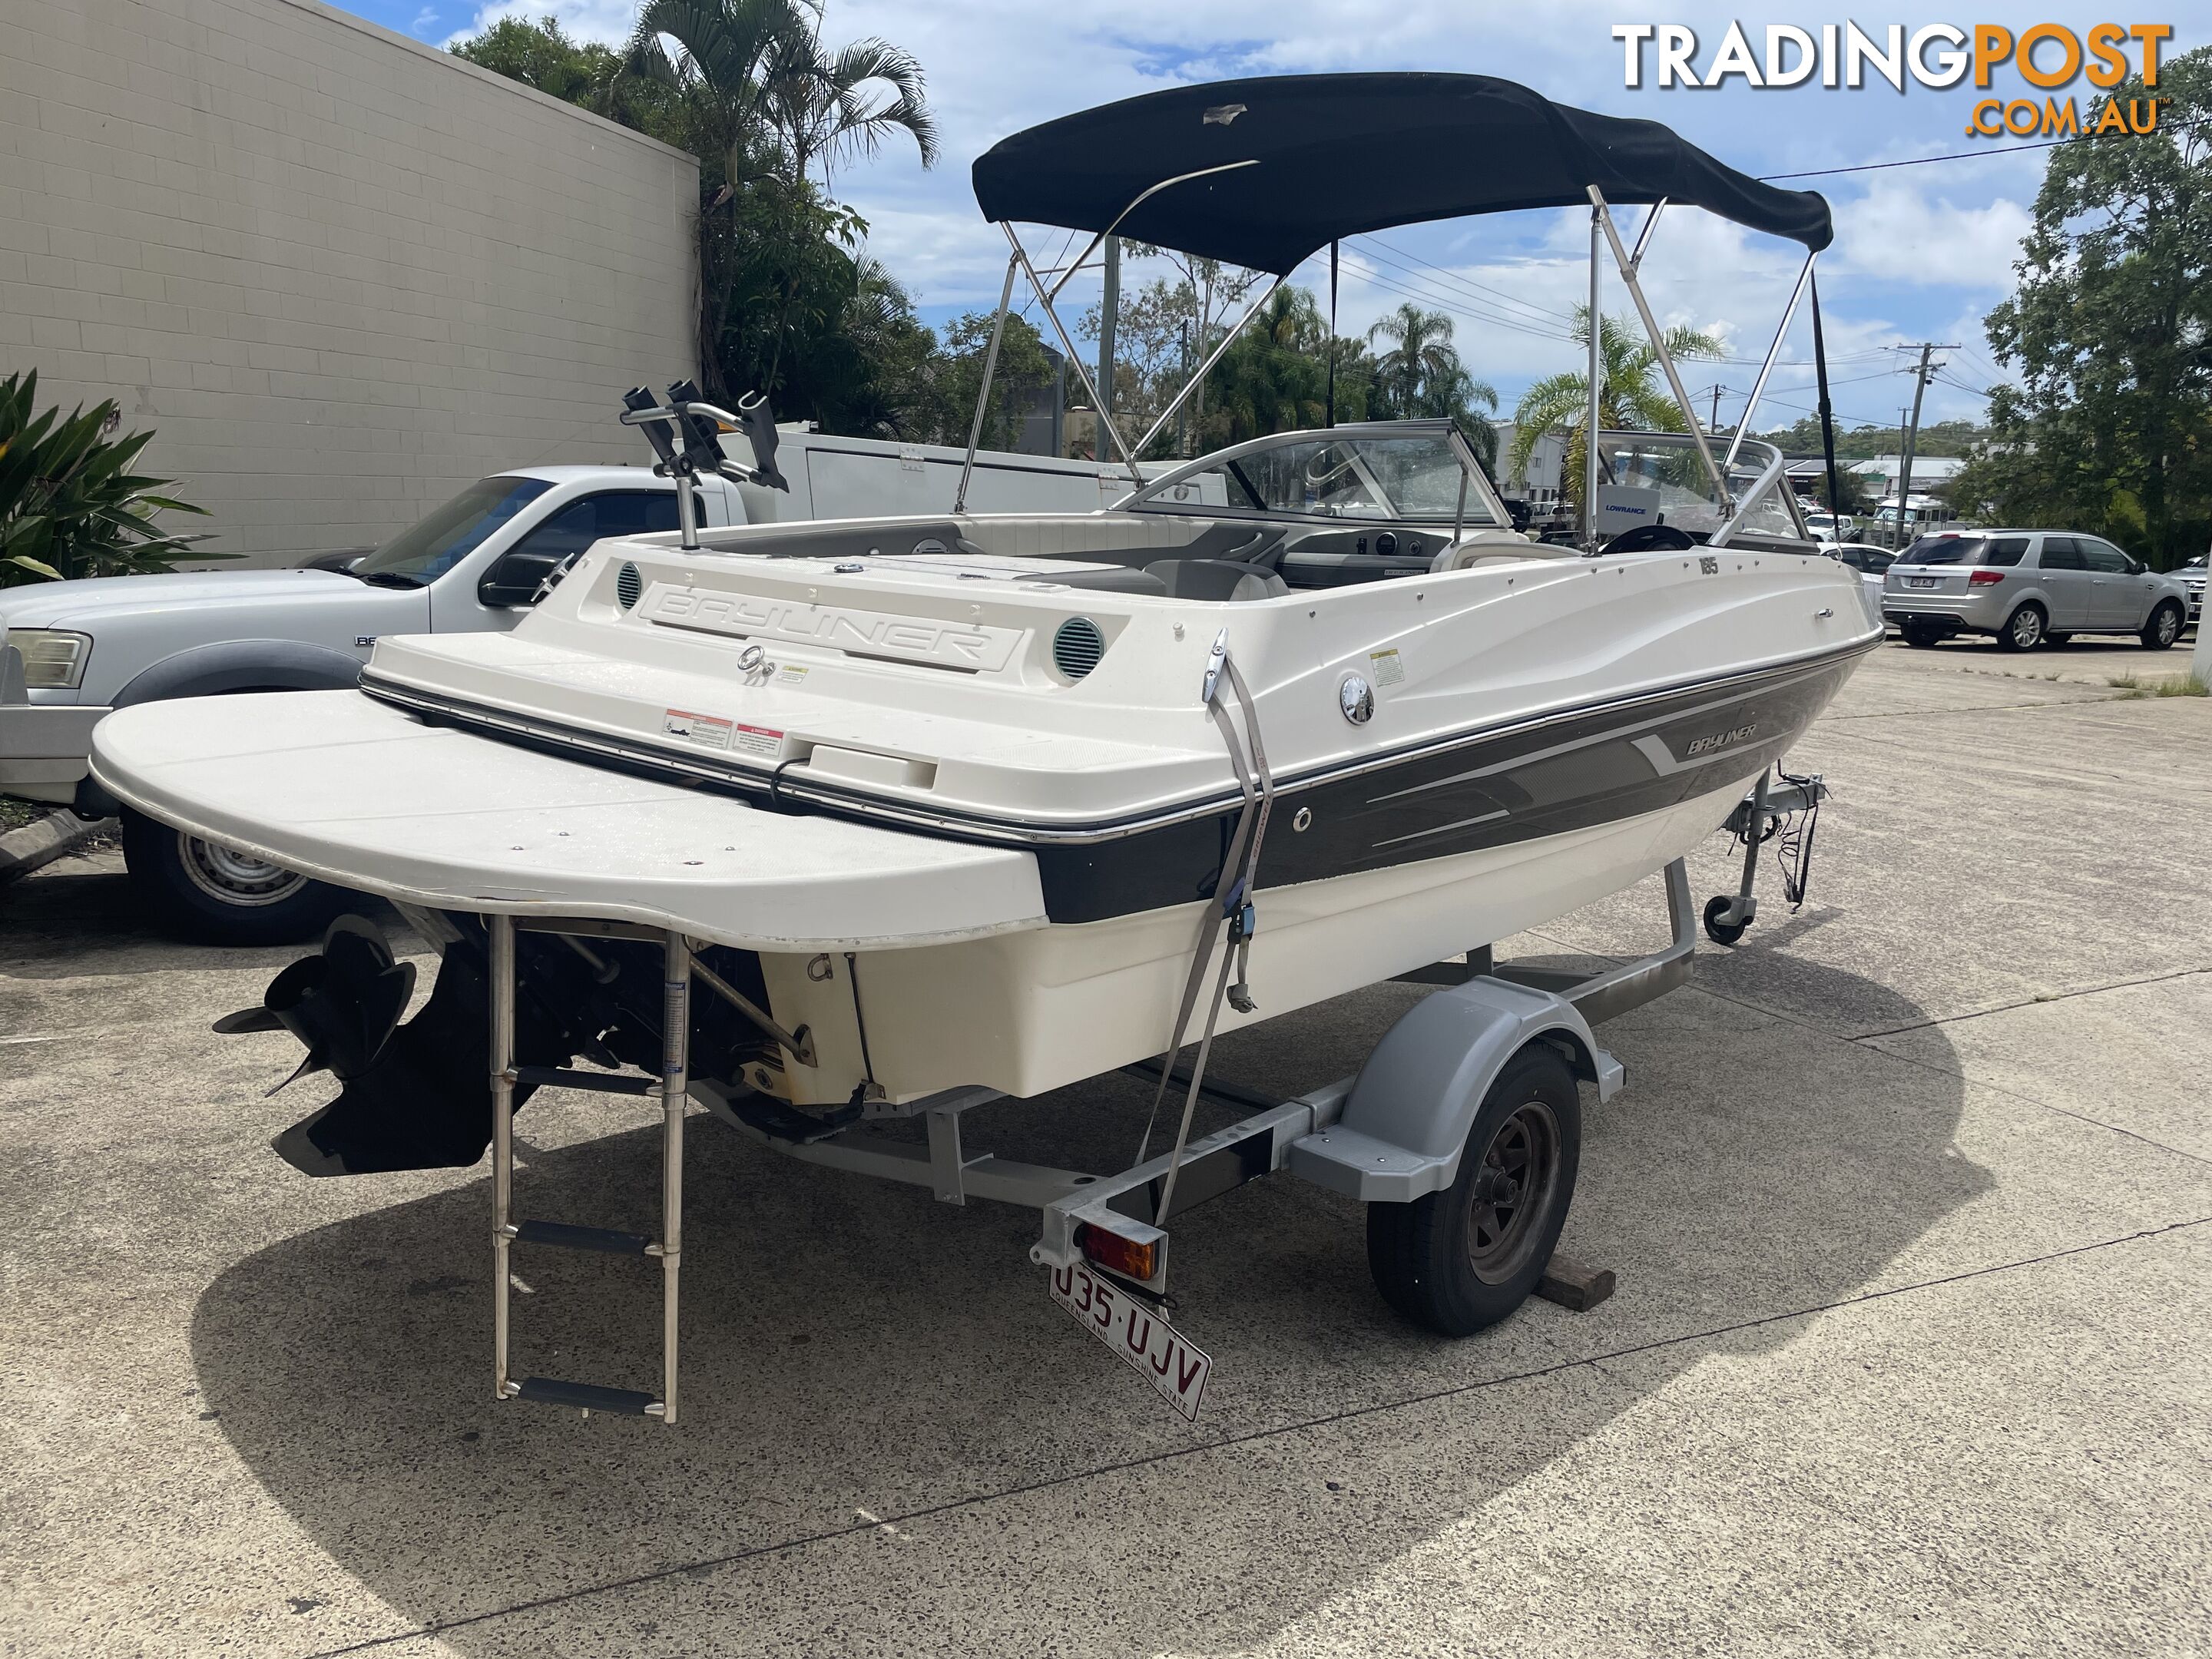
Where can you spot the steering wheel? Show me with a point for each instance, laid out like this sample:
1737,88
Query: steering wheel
1651,539
1316,480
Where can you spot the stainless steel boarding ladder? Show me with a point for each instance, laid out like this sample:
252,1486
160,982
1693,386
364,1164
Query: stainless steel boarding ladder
507,1233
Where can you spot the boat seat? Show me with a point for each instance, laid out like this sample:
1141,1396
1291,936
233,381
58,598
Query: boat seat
1121,579
1215,580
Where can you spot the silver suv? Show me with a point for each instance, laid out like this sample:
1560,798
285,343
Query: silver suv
2026,587
2192,579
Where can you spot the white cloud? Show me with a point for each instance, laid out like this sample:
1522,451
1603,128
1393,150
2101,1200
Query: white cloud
1909,230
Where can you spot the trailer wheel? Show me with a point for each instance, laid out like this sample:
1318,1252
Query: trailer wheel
1721,932
1462,1258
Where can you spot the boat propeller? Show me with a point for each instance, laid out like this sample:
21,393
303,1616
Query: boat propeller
414,1096
344,1003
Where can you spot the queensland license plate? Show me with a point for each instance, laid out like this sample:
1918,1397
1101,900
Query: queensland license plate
1923,581
1138,1333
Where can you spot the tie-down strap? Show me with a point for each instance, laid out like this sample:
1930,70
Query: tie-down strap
1233,889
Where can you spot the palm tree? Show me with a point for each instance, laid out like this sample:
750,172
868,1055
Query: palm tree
758,98
824,109
731,60
1421,377
1629,395
1274,377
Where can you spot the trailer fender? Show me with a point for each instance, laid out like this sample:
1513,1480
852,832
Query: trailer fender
1406,1119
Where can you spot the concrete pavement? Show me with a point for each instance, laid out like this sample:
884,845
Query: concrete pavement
1910,1197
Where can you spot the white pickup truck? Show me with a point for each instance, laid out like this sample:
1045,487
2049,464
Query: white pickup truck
75,650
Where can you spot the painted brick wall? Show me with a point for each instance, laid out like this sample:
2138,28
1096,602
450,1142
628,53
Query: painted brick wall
340,273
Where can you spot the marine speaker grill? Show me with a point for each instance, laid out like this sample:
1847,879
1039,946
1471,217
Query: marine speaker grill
1077,648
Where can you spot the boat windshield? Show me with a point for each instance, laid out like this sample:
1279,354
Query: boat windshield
1659,477
1422,475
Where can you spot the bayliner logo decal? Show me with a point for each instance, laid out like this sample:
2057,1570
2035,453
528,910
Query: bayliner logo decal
1719,740
971,645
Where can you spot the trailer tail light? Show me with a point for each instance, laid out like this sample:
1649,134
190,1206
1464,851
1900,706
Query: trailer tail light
1118,1255
1984,578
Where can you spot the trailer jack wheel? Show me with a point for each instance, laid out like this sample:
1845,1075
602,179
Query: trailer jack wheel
1721,932
1463,1259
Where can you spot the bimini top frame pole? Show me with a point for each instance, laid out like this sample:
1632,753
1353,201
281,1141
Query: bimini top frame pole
983,395
1758,386
1046,294
1627,264
1105,421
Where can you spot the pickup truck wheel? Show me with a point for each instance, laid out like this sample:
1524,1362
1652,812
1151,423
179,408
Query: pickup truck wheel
1463,1259
223,896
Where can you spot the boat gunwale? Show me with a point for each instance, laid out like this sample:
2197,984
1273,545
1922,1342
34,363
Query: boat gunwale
768,787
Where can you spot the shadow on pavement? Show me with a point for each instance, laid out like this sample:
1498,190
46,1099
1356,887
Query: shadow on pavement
852,1347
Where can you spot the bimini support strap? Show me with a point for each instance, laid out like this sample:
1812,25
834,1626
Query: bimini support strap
1233,888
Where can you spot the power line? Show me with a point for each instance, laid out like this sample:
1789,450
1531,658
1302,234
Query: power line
1527,327
1456,306
1470,282
1958,156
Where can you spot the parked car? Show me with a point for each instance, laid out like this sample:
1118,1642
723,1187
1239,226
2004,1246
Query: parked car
2029,587
1832,526
74,650
2192,578
1870,562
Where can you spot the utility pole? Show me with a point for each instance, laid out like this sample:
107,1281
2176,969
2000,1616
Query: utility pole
1713,423
1106,307
1920,378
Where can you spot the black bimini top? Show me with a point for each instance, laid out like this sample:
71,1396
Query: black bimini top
1333,156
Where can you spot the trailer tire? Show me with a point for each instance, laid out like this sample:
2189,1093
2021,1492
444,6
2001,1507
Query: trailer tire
1462,1258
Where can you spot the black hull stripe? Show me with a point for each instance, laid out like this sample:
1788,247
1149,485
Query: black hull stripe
762,785
1524,788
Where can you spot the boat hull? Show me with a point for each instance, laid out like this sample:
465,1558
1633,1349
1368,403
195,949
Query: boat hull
1027,1013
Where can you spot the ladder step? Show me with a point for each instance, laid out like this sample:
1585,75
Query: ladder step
586,1396
570,1237
597,1083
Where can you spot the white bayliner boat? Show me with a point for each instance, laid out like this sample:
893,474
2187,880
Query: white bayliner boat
943,809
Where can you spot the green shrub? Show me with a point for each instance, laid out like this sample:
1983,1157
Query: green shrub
69,504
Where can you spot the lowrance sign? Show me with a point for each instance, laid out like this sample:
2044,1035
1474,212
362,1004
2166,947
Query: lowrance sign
971,645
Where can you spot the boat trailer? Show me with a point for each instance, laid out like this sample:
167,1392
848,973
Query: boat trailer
1389,1135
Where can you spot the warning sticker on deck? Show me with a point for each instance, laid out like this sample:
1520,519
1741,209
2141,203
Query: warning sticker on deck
759,740
707,730
791,673
1385,668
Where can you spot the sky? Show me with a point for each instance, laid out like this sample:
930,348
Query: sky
1921,253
